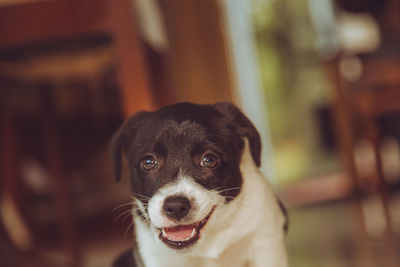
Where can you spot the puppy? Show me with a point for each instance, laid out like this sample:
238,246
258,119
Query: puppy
200,199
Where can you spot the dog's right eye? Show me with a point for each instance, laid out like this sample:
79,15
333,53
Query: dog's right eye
209,161
149,163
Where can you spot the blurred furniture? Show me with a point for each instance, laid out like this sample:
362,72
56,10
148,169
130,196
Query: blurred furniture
376,96
360,106
360,103
13,221
34,22
11,257
372,92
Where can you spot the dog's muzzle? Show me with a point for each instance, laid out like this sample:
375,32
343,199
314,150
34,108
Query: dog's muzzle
182,235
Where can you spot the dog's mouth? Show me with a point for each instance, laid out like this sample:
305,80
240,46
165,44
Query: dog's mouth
183,236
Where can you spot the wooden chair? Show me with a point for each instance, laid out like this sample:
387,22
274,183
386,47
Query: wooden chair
358,107
39,21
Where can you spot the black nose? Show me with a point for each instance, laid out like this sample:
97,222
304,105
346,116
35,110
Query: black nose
176,207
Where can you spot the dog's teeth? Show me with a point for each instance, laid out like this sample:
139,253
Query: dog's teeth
163,233
193,232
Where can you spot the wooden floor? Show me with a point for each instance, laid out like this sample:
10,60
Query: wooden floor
333,235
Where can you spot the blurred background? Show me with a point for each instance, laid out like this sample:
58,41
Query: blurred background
320,79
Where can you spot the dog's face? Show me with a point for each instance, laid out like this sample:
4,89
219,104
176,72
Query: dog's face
184,166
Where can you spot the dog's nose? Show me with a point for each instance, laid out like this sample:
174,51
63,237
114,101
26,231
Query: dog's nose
176,207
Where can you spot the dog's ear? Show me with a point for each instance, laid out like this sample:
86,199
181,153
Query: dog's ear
121,139
243,126
116,147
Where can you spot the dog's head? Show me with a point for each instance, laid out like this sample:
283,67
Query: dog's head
184,166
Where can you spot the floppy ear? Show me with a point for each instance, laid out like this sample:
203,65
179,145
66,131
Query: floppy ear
243,126
116,147
121,140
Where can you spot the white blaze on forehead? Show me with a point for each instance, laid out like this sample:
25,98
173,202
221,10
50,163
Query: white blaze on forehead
201,201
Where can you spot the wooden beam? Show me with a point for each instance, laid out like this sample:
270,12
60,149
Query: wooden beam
197,55
132,69
47,20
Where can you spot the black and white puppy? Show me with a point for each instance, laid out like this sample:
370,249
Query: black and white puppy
200,199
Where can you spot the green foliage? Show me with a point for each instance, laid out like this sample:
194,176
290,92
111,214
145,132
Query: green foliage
294,84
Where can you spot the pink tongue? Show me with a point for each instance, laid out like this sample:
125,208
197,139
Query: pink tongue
179,233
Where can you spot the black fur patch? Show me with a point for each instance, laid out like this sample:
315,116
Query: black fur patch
285,213
178,136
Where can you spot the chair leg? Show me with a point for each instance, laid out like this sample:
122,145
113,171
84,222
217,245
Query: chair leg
343,127
13,222
58,181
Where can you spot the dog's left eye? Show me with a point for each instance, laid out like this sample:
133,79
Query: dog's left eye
149,163
209,161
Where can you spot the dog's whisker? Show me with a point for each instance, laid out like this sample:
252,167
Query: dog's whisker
138,209
141,199
142,206
122,205
229,189
144,218
140,196
218,188
123,213
126,216
127,229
